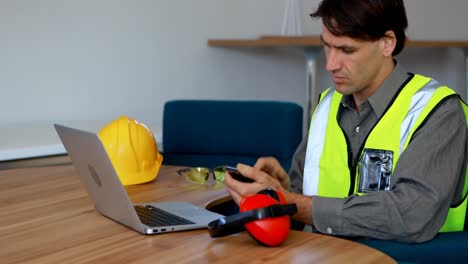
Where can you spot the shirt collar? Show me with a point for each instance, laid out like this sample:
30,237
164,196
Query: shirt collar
384,95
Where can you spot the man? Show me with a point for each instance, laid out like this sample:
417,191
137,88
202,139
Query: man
385,156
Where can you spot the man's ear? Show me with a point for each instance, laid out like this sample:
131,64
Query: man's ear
389,41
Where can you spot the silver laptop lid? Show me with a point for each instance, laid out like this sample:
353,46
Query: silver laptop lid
90,159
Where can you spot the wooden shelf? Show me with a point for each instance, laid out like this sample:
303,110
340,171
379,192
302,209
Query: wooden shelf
267,41
314,41
436,44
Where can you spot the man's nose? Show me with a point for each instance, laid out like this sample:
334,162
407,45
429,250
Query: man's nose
333,61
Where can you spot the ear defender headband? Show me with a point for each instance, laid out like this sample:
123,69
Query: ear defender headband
265,215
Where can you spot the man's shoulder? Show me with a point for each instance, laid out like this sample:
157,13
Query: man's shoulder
451,107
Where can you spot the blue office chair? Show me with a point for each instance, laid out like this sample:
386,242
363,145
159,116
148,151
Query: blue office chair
209,133
449,247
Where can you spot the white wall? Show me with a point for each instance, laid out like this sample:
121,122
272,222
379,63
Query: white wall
65,60
428,20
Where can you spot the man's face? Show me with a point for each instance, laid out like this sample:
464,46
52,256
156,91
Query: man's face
356,66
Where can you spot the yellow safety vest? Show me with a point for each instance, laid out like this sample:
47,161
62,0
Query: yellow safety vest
328,171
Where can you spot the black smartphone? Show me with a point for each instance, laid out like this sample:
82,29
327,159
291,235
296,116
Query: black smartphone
237,175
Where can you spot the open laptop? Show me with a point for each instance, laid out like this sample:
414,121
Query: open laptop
98,176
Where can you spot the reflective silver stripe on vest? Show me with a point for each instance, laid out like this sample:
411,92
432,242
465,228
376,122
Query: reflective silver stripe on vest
315,145
418,101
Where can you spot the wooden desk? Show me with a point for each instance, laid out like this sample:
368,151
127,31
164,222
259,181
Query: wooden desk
46,217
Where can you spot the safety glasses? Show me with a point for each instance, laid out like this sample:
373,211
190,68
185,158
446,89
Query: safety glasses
201,174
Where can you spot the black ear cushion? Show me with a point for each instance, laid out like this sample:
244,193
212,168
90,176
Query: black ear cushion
270,192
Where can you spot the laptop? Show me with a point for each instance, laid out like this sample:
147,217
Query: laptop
110,198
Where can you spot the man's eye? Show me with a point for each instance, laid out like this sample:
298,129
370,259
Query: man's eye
347,50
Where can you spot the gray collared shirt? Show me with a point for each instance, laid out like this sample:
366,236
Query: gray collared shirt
426,180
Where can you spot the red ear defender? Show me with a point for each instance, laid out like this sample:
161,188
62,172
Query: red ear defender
270,231
264,215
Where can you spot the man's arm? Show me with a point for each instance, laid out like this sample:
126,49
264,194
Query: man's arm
296,172
423,185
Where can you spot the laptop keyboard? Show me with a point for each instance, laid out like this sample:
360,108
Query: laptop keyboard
153,216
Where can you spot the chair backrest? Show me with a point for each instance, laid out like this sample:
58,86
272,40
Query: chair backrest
225,132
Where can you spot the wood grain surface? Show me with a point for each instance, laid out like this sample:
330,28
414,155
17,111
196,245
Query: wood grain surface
47,217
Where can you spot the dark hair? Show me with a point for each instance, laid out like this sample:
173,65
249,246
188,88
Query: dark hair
365,19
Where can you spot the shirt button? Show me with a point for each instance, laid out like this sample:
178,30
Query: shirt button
329,230
357,129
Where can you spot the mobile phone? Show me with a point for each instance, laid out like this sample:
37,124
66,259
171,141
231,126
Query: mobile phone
237,175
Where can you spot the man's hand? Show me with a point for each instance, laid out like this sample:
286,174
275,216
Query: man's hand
272,167
268,173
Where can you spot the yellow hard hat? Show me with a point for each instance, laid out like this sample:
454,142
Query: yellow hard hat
132,149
